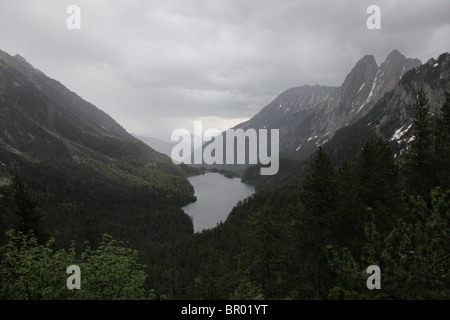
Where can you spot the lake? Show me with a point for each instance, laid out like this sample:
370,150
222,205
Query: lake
216,197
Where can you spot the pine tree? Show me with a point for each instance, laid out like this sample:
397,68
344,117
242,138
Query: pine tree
376,173
442,144
19,210
419,169
350,271
316,221
267,242
414,257
351,210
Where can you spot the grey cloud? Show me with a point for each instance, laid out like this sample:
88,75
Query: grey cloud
147,62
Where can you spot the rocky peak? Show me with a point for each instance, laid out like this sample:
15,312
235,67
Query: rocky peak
364,65
394,56
357,82
391,117
396,65
364,70
386,78
309,116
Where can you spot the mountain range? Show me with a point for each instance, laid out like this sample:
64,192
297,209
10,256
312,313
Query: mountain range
372,101
82,164
92,177
391,117
309,116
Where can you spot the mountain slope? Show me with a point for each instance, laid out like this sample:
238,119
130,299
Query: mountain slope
392,116
49,105
290,112
81,162
309,116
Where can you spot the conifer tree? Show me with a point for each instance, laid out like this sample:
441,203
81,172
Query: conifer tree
376,173
442,144
19,210
316,221
419,169
351,210
414,257
268,244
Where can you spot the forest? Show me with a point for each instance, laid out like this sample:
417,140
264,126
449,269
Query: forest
308,237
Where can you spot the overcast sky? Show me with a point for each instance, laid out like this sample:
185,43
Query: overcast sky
158,65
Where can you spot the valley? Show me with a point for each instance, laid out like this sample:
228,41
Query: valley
353,189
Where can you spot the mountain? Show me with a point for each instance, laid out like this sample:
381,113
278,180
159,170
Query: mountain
31,100
81,163
391,117
159,145
309,116
290,112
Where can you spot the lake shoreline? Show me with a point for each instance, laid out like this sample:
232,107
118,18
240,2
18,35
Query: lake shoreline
216,196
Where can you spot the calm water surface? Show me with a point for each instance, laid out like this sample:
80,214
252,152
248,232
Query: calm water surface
216,197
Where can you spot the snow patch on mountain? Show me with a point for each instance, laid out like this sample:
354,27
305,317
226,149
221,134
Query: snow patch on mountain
399,133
